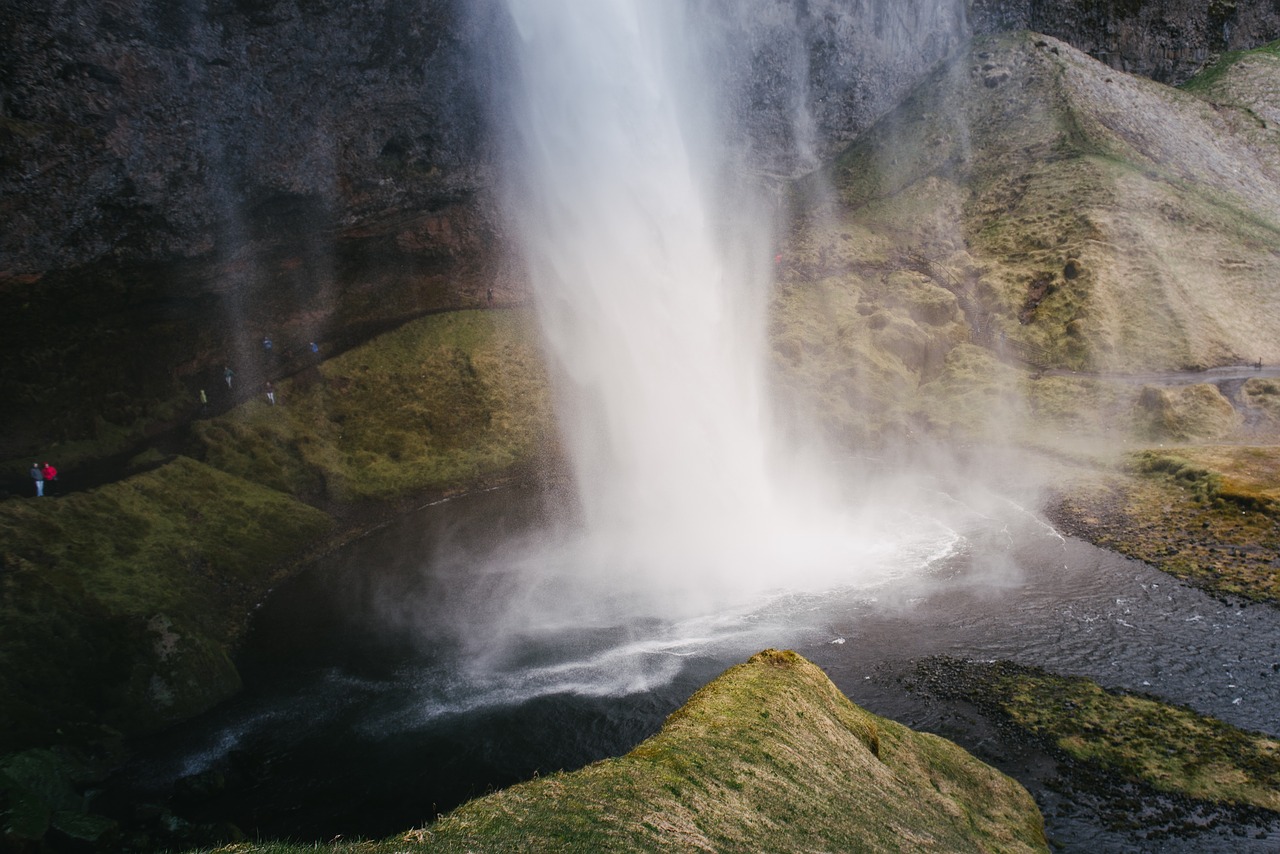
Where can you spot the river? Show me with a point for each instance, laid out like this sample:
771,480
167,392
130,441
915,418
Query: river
370,707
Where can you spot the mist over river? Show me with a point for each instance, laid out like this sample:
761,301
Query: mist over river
371,706
698,515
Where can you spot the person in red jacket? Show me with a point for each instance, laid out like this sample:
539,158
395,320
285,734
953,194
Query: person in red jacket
50,475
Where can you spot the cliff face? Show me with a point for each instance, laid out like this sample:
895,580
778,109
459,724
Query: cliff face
1166,40
181,180
141,130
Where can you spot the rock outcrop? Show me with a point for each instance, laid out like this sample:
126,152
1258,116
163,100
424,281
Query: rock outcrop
1166,40
180,182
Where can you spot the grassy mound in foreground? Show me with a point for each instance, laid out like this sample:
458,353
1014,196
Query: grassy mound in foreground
770,756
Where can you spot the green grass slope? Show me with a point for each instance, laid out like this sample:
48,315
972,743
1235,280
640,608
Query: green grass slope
1076,217
440,402
770,756
118,606
121,605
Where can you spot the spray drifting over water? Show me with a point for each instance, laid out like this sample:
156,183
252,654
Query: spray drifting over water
650,260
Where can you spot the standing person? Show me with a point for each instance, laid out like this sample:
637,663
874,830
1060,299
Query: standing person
266,344
204,403
37,475
271,393
315,350
227,374
50,475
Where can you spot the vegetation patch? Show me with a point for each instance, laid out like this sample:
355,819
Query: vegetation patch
768,757
41,801
119,606
442,401
1209,515
1213,78
1187,412
1263,394
1168,748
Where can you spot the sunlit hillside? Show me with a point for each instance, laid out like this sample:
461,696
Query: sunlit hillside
1030,207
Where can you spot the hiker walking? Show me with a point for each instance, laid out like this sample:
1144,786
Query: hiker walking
37,475
227,374
271,393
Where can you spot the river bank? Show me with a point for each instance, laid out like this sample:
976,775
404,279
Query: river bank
1208,515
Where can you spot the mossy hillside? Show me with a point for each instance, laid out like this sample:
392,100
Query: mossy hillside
1092,241
767,757
1082,406
1080,410
1206,514
976,396
1244,79
120,604
856,328
442,401
1167,747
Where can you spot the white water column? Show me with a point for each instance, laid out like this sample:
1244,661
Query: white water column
650,264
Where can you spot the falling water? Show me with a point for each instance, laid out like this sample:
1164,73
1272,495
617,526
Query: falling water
651,266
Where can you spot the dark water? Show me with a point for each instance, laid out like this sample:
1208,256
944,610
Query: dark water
374,701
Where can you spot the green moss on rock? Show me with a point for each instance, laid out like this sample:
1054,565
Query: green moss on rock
119,605
442,401
1169,748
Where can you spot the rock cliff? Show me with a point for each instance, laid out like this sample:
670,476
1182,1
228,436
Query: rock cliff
182,180
1166,40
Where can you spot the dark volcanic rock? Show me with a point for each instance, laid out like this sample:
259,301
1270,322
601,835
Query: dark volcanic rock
181,178
147,130
1166,40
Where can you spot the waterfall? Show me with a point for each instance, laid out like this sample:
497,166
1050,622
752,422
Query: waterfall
650,255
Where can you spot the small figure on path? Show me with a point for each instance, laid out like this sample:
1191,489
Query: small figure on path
266,344
488,295
204,403
315,349
227,374
271,393
37,475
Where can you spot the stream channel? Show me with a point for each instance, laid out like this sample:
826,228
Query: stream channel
370,706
